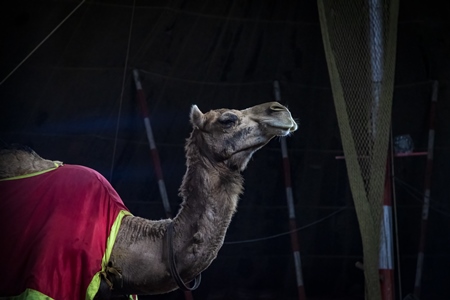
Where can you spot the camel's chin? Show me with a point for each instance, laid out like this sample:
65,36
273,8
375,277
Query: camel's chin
240,159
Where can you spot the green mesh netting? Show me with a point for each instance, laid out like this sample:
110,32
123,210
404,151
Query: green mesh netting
359,37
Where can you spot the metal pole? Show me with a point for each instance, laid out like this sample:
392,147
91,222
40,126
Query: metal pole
151,141
290,202
386,256
427,186
154,153
376,58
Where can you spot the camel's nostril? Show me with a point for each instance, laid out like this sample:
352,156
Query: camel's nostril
277,107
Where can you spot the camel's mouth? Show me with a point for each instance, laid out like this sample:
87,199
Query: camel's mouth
282,129
275,129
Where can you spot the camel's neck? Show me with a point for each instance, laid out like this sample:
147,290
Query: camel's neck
210,194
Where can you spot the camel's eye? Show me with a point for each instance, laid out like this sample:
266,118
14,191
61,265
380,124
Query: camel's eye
228,120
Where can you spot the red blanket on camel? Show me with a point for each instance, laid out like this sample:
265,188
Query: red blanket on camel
57,231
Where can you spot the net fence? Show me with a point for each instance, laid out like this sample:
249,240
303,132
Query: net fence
359,38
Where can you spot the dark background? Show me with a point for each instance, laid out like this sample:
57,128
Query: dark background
74,100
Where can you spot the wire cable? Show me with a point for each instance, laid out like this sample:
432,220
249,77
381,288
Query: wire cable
287,232
418,196
124,77
42,42
394,207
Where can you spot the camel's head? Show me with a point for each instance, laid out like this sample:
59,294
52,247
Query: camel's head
232,136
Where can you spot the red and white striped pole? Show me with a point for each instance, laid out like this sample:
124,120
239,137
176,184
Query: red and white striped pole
290,202
427,186
386,256
154,153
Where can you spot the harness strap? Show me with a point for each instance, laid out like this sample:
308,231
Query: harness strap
108,282
116,274
118,278
173,267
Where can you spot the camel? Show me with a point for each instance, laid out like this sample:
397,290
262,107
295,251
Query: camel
158,256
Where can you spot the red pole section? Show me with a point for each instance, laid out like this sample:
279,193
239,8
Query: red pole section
386,256
154,153
427,186
290,202
151,141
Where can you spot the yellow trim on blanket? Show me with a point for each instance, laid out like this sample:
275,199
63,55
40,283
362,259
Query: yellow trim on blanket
95,283
28,294
31,174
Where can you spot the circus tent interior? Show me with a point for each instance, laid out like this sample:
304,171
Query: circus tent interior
68,90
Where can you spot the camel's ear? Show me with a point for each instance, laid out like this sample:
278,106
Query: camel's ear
197,117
